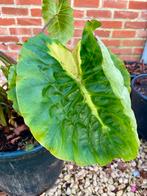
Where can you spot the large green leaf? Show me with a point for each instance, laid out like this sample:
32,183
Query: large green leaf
58,16
121,66
76,103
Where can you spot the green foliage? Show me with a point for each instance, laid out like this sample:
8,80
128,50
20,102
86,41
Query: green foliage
12,87
58,16
120,65
76,104
4,70
3,105
6,110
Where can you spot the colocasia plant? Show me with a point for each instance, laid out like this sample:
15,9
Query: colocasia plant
76,103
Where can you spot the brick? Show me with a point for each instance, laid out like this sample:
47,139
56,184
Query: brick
111,42
25,39
75,41
36,12
99,13
28,2
28,21
79,23
7,21
138,50
123,34
86,3
6,1
4,31
3,46
78,33
144,15
138,5
20,31
69,44
8,39
36,30
125,14
102,33
136,25
141,33
114,4
14,47
129,57
132,42
15,11
13,55
111,24
78,13
122,50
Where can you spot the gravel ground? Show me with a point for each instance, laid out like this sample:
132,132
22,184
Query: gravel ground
116,179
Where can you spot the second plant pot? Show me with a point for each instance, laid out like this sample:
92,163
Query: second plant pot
28,173
139,103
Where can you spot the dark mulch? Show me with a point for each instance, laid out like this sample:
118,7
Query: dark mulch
16,137
136,68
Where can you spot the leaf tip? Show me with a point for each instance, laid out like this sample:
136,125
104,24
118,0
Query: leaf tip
93,24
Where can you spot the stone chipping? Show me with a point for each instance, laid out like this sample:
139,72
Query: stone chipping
116,179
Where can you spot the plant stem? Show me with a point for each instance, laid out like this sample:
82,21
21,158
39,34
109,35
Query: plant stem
48,23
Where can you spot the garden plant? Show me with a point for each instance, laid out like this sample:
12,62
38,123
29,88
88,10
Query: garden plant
76,103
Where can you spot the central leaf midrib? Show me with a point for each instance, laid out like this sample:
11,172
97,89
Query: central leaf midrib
92,106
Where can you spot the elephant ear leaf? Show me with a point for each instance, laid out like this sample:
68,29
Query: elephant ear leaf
58,16
120,65
77,105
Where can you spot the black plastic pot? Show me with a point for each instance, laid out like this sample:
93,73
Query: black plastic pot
132,76
28,173
139,105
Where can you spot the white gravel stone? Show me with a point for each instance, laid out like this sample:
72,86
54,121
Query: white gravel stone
68,191
104,194
126,181
119,193
120,180
100,191
111,187
130,194
111,194
67,177
133,164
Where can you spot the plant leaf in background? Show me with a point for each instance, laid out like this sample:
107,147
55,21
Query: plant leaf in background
2,117
4,70
6,111
12,87
3,120
58,16
76,104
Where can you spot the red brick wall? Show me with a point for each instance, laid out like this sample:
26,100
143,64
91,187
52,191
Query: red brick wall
124,23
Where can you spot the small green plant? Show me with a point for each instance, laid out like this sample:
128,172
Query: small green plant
76,103
6,110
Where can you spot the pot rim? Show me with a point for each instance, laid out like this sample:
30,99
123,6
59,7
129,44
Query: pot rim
18,153
133,84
